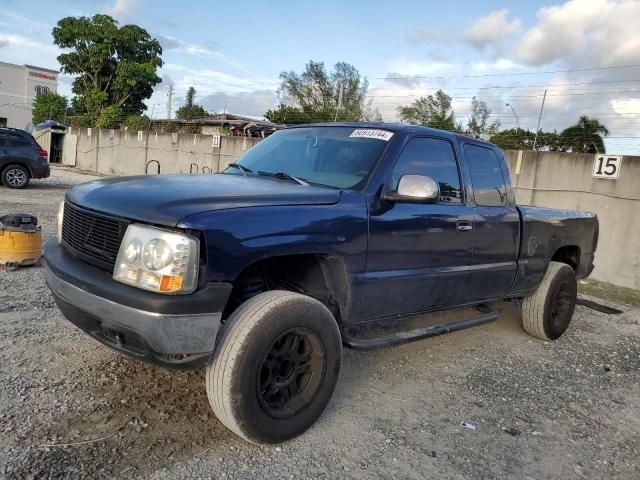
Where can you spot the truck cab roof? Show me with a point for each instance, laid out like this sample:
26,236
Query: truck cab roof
398,127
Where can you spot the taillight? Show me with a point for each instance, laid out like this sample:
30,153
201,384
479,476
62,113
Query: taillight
43,153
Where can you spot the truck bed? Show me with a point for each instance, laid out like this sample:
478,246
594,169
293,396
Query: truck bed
547,233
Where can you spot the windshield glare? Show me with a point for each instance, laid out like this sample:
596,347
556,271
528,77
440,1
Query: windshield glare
328,156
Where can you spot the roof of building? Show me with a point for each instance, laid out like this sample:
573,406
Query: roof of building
50,70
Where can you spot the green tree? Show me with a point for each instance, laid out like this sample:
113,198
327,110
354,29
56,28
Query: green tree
479,125
190,109
433,111
519,139
315,93
115,67
513,139
49,106
137,122
586,136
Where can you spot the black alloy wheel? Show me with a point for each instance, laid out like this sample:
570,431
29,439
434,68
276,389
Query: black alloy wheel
291,373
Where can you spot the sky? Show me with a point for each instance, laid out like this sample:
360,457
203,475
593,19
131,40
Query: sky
585,53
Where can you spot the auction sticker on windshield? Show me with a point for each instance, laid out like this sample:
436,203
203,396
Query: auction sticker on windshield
378,134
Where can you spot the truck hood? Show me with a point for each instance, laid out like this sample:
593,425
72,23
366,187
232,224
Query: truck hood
166,199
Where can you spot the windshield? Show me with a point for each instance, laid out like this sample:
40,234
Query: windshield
338,157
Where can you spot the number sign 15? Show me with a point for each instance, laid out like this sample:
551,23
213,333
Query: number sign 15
607,166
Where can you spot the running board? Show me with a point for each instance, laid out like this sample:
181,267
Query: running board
486,314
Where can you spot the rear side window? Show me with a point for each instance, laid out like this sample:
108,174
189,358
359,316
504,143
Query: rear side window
431,157
487,177
18,141
3,139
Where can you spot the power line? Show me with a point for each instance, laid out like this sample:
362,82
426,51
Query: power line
410,77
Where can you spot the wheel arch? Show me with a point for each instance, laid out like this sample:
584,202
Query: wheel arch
569,254
321,276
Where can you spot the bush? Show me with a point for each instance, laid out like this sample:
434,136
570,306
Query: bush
137,122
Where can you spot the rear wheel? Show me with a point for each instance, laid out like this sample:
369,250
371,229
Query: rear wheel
547,313
15,176
275,366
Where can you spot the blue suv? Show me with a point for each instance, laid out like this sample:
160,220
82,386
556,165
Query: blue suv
21,158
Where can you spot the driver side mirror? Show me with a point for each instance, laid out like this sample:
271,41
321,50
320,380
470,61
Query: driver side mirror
415,189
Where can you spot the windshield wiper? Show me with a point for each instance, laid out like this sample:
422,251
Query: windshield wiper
285,176
244,170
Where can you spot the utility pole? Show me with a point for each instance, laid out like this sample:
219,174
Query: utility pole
535,139
146,142
340,92
169,95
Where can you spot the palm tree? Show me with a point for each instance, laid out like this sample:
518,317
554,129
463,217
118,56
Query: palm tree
586,136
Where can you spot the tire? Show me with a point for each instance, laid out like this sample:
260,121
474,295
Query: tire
275,366
547,313
15,176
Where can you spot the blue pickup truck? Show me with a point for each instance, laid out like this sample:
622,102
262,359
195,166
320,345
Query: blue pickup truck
319,236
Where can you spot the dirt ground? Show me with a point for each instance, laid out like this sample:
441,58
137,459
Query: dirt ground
72,408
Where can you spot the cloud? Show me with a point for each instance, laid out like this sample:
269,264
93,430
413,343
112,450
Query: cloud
243,94
481,66
200,51
21,50
254,103
491,29
584,33
410,67
420,36
122,10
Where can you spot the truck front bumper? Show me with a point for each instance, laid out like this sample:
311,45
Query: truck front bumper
171,331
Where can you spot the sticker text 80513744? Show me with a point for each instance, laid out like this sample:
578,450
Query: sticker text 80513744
370,133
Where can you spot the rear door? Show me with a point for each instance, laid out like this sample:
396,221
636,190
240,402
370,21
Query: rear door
496,235
419,254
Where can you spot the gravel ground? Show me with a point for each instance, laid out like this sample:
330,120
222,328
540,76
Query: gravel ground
568,409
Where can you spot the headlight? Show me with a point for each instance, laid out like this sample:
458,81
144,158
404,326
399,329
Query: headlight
158,260
60,218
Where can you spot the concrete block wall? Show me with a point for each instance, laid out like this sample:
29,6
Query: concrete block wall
564,180
124,152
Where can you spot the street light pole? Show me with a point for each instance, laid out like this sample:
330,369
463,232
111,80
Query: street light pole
515,115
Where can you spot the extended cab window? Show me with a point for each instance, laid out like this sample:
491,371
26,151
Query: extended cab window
433,158
487,177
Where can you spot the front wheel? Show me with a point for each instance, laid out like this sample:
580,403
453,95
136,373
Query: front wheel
275,366
546,314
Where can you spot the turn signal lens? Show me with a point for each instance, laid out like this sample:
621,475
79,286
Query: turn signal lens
170,283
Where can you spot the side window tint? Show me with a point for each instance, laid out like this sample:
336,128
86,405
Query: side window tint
16,141
433,158
487,177
3,140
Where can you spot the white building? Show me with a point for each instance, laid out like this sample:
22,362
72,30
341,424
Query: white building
19,86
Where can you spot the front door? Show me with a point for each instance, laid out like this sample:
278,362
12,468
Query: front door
419,255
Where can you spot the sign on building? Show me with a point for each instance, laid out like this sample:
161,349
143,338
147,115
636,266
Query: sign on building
607,166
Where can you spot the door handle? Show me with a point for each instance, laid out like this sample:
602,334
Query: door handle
464,227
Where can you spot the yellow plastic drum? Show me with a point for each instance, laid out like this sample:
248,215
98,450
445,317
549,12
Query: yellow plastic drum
20,247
